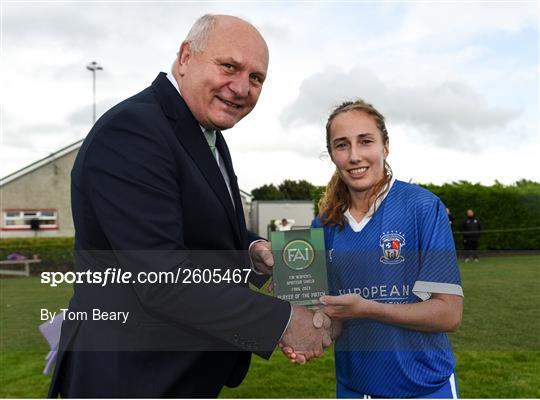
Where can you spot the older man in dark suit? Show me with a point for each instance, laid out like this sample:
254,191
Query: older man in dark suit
153,183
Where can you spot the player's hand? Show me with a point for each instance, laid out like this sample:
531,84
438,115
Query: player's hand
346,306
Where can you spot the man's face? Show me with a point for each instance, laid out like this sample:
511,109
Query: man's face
222,84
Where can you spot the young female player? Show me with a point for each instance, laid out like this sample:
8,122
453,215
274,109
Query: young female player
392,268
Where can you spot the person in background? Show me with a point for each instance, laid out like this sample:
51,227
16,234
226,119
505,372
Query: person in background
285,224
451,218
472,230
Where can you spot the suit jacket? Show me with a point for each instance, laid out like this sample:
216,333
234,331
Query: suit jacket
147,195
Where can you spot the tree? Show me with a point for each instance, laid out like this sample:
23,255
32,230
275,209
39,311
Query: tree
296,190
286,190
267,192
316,194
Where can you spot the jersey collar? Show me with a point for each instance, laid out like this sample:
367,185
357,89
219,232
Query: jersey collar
358,226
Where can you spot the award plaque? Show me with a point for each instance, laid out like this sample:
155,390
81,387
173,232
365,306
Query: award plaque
299,266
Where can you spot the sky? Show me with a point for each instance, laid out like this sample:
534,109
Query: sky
458,82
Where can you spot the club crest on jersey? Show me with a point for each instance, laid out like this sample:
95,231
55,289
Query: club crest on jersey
391,244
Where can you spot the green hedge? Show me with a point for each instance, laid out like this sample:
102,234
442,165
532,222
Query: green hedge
509,214
56,254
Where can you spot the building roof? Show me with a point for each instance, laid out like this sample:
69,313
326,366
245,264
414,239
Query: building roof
56,155
38,164
246,194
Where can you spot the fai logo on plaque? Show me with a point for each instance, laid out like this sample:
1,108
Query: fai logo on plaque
391,244
298,254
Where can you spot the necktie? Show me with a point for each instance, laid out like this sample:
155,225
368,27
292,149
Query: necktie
211,139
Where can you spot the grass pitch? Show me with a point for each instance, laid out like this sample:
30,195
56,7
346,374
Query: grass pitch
497,348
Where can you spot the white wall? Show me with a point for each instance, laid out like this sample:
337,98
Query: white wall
263,212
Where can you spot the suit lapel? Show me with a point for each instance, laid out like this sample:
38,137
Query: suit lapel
189,133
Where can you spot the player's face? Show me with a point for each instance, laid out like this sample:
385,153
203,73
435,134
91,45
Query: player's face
222,84
357,150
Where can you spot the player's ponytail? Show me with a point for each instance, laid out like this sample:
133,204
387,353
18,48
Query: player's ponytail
335,201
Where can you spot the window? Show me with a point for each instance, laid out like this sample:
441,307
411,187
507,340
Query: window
22,219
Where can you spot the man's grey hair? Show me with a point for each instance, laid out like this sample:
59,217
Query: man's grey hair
198,34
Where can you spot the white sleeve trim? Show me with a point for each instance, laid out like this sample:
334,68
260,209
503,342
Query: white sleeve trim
452,380
424,289
286,326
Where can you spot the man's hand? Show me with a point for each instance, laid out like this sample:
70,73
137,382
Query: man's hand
331,330
307,336
262,257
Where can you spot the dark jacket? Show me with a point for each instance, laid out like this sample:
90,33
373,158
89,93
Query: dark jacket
471,228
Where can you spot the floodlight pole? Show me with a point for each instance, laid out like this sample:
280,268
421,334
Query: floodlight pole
94,66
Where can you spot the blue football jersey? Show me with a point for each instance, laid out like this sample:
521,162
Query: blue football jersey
402,255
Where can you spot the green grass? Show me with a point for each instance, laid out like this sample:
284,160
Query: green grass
497,348
502,305
22,347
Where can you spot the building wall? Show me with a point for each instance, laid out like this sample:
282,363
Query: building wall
246,206
47,187
262,212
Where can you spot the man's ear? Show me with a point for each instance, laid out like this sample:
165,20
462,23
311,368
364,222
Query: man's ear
184,55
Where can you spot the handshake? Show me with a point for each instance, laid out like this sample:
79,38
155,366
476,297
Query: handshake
308,334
